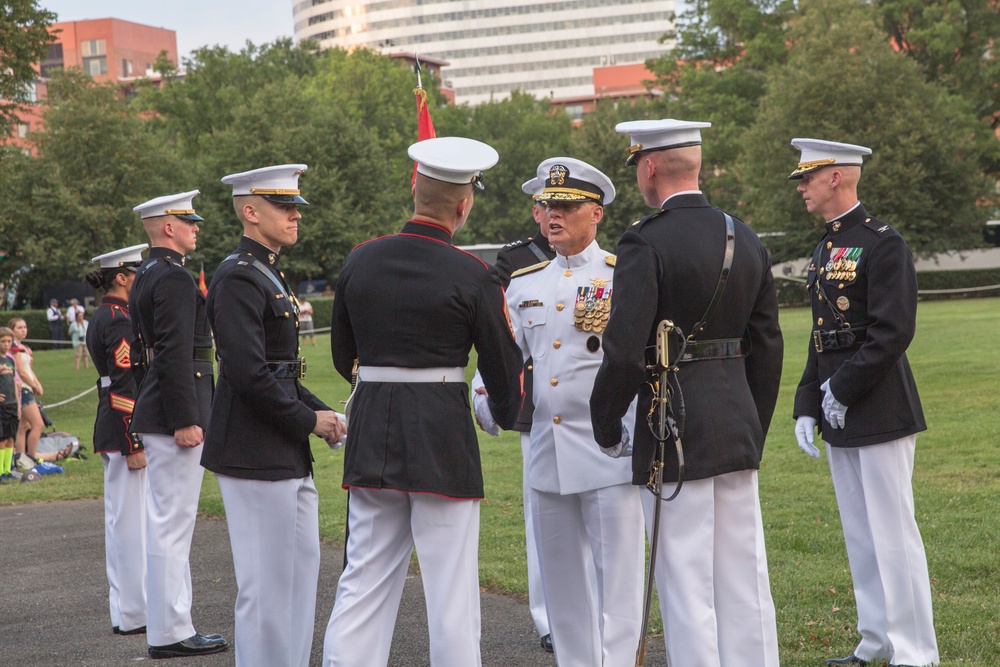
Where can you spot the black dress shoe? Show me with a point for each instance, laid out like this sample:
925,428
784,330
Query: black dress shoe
547,643
137,631
199,644
849,660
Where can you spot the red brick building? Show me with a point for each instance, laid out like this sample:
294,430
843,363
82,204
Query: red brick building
106,49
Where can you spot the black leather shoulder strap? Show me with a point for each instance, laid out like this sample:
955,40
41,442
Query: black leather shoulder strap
727,265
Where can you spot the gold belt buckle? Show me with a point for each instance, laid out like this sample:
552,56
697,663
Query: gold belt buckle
818,340
302,368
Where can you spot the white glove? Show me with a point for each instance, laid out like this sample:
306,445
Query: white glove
804,429
623,448
337,444
834,411
481,406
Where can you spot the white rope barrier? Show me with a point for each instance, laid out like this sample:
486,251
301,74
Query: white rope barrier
70,399
958,290
955,290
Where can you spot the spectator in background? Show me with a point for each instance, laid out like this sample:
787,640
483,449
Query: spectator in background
306,322
74,308
10,409
78,334
56,319
31,425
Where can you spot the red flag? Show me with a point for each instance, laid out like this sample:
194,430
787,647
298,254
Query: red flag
425,126
201,280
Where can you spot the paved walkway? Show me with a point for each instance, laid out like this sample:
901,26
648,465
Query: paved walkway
53,599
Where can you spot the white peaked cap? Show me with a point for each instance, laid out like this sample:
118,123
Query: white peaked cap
130,256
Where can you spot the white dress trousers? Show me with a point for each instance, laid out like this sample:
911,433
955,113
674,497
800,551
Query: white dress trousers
593,548
588,518
125,541
274,533
886,553
536,596
385,525
711,574
174,475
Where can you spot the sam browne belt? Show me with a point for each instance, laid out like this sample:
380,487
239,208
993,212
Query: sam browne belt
719,348
288,369
839,339
200,354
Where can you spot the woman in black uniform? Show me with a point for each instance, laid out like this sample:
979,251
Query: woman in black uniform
108,340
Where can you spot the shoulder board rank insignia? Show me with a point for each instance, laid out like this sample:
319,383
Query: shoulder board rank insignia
530,269
635,223
883,228
514,244
611,260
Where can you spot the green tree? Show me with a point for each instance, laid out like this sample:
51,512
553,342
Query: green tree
596,142
524,131
24,40
348,116
718,73
97,159
844,82
955,43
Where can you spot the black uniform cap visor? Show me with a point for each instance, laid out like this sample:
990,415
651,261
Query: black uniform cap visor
285,200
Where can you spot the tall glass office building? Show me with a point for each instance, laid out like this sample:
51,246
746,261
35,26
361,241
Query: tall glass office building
545,47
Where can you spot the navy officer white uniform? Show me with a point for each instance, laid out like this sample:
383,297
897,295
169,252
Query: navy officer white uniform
513,256
172,354
711,565
123,457
858,388
587,515
408,310
258,441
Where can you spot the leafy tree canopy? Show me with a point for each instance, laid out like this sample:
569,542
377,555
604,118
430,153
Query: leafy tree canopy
844,82
24,41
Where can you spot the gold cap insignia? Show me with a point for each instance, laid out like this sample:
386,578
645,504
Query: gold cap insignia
557,174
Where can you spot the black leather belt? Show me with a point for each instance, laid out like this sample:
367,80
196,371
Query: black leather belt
200,354
720,348
288,369
839,339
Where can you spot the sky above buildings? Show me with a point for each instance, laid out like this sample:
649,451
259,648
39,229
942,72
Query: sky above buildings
197,23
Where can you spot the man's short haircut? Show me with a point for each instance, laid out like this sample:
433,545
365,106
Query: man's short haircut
6,332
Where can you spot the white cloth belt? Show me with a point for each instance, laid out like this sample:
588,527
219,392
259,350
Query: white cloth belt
394,374
105,381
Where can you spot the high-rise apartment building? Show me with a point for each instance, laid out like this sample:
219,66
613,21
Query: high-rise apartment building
548,48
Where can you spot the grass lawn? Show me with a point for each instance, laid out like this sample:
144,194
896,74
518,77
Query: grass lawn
956,486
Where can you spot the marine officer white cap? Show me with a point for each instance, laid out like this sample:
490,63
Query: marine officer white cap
453,159
123,257
817,153
179,205
570,180
660,135
533,187
278,184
